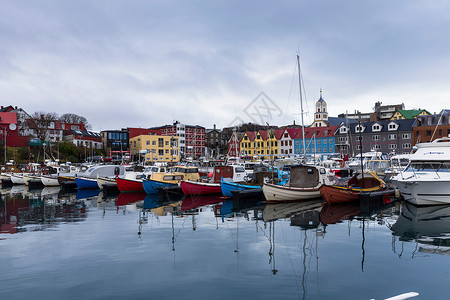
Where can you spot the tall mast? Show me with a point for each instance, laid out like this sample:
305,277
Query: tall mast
301,105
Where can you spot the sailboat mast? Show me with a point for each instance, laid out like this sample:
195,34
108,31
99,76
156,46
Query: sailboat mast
301,106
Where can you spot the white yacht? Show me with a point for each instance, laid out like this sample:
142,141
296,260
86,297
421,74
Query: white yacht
426,180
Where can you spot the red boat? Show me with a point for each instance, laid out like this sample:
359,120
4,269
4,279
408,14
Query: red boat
357,185
131,183
200,188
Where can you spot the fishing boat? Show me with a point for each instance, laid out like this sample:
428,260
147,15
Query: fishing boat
88,179
200,188
426,180
17,178
101,181
130,182
49,180
304,183
227,186
235,173
360,184
163,179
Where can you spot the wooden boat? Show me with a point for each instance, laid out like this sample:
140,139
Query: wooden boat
360,184
200,188
304,183
161,179
131,182
228,186
101,181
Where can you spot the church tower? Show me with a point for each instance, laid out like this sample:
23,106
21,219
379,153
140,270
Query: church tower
321,114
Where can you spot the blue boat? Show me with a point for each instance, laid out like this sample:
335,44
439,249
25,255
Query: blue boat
151,186
228,186
86,183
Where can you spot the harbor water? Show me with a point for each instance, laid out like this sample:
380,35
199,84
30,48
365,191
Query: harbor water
87,245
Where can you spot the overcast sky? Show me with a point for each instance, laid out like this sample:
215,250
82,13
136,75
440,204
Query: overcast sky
147,63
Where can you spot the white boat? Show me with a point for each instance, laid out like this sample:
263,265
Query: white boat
17,178
29,178
101,181
50,180
426,180
304,183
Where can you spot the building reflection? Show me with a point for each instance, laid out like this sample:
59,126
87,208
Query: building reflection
36,210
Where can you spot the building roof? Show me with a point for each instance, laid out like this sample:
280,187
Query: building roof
411,113
320,132
403,125
8,118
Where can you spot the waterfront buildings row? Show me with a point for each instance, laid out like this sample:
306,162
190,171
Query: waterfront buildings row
390,129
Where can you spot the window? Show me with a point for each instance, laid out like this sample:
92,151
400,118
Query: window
359,128
406,146
392,126
377,147
428,132
392,146
392,136
343,129
318,142
376,137
160,142
406,136
376,127
359,138
161,152
148,143
359,147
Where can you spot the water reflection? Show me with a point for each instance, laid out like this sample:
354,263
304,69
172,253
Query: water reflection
428,226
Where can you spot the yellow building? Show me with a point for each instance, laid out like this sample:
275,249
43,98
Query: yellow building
259,143
156,148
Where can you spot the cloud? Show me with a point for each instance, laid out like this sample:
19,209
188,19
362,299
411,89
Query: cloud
147,63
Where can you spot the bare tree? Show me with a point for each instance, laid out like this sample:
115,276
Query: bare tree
75,119
41,123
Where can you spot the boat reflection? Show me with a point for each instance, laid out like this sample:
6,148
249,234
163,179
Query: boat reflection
426,225
274,212
87,193
191,203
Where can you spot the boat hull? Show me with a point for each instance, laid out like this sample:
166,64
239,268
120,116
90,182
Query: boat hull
101,181
337,194
49,181
151,186
17,179
200,188
228,187
86,183
279,193
127,185
425,192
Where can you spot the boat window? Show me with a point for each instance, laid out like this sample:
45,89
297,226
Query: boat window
162,170
139,176
154,169
445,167
322,171
310,171
239,170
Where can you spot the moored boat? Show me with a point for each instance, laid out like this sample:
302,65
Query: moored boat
200,188
228,186
304,183
49,180
86,183
426,180
131,182
360,184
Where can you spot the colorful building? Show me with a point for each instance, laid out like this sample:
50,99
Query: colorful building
156,148
286,140
427,128
318,140
261,143
403,114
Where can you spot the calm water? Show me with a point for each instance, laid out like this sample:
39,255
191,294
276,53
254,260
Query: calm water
87,246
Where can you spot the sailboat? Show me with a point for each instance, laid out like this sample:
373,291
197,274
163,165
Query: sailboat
304,181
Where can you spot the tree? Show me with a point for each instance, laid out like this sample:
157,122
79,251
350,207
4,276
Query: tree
74,119
41,123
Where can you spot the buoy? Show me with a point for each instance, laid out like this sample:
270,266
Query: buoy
210,175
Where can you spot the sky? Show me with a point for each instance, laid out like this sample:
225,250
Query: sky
148,63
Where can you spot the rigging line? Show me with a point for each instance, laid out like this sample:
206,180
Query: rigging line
290,92
438,122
